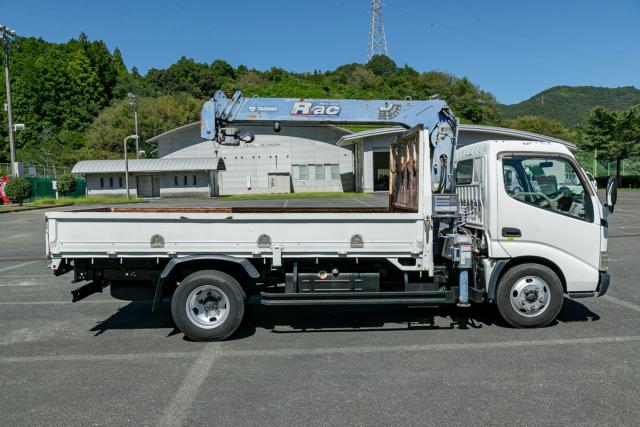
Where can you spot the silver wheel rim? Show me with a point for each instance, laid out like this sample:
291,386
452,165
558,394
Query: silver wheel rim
207,306
530,296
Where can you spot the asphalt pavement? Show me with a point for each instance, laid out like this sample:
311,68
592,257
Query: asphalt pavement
103,361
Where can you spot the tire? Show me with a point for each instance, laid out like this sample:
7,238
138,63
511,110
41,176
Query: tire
529,296
208,305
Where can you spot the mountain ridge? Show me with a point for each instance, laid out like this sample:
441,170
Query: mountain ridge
570,105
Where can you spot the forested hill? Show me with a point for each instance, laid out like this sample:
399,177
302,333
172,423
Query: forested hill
570,105
72,96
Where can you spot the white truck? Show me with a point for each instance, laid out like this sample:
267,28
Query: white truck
493,221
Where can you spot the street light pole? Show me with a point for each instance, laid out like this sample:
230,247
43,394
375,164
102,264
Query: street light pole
126,163
7,34
134,105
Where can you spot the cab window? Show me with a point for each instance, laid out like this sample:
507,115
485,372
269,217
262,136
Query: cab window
548,183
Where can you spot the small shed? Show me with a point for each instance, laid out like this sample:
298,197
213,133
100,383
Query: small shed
166,177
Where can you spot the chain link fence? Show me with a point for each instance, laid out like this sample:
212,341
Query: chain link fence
36,170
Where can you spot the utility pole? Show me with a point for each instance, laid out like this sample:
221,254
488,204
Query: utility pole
7,35
134,105
377,37
126,162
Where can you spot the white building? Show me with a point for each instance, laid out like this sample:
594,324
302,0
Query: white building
300,158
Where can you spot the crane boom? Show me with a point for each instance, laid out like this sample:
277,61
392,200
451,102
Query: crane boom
219,112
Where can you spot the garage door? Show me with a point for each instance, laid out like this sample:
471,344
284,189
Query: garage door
145,186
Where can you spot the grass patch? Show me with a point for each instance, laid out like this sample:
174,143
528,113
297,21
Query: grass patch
327,195
82,201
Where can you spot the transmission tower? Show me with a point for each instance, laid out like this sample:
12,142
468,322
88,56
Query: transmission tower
377,38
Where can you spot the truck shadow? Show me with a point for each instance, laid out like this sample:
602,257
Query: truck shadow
363,319
295,320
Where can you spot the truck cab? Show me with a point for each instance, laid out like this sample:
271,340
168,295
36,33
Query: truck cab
532,206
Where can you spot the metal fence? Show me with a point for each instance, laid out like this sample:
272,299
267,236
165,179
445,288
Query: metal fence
43,187
34,169
600,168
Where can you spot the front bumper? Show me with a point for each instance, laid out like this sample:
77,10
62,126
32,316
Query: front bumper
603,283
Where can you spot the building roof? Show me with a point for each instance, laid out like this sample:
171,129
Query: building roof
174,130
146,165
195,125
492,133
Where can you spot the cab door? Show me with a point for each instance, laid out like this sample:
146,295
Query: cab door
546,210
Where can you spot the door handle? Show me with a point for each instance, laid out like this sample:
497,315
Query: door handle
511,232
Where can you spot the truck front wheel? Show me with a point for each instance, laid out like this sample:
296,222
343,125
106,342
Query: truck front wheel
208,305
529,296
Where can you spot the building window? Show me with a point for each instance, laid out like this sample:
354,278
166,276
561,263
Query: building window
185,180
318,174
300,172
111,181
335,171
304,172
101,182
120,181
175,180
195,180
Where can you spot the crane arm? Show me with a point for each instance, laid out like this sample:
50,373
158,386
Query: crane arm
219,113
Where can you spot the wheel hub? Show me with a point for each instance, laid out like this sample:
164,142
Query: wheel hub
530,296
207,306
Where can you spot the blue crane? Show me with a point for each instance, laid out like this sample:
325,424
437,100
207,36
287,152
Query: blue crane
220,113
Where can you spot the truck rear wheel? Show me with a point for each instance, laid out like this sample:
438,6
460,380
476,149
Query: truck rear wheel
529,296
208,305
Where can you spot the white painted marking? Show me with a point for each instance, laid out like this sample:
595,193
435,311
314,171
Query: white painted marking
363,202
23,283
25,276
432,347
175,413
13,267
96,357
107,301
286,202
211,353
622,303
18,236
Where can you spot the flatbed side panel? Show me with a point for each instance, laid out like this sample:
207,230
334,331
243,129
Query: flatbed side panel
295,235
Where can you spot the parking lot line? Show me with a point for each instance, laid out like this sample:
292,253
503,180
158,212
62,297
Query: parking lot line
433,347
98,357
13,267
106,301
213,352
175,413
622,303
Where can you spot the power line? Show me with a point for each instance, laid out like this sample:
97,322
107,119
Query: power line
377,38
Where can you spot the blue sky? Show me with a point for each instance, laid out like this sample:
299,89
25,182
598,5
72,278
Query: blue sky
512,48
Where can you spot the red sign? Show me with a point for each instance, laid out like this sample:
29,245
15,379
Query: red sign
3,181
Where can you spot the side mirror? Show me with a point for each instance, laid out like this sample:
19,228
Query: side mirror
611,195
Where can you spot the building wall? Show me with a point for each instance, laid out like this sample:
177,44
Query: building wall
248,166
99,185
169,188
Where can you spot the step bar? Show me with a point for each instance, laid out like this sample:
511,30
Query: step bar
359,298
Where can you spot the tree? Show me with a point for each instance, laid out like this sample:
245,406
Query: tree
616,135
18,189
541,125
155,116
66,184
382,65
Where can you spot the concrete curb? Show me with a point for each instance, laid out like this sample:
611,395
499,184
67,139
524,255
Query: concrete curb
33,208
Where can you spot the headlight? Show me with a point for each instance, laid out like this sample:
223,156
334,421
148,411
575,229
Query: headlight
604,261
